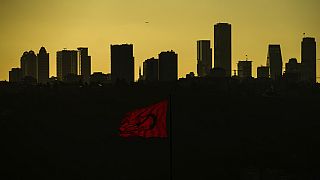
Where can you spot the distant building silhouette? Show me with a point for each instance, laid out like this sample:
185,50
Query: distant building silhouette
43,66
204,57
100,78
168,66
122,63
150,70
293,70
274,61
222,47
308,59
245,69
67,64
84,64
263,72
15,75
28,64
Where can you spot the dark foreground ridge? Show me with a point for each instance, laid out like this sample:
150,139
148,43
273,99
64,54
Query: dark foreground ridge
225,130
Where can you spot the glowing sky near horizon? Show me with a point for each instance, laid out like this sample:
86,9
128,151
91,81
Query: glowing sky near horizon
174,25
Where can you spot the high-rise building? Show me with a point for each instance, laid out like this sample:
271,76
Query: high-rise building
43,66
222,47
168,66
204,58
85,64
122,63
28,64
308,59
67,64
293,66
293,70
150,70
15,75
263,72
274,61
245,69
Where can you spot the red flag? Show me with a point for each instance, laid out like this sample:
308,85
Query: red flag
146,122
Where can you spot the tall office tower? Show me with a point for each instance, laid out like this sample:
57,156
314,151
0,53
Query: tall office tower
122,63
263,72
150,70
85,64
168,66
67,64
43,66
245,69
15,75
28,64
222,47
204,58
274,61
308,59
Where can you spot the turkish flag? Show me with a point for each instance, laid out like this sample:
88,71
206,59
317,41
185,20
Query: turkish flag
148,122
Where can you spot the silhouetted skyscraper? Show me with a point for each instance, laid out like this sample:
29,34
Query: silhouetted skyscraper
15,75
308,59
168,66
274,61
222,47
293,66
263,72
204,58
67,64
293,70
29,64
43,66
150,70
245,69
85,64
122,63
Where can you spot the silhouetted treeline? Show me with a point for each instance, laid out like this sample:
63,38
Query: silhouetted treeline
225,129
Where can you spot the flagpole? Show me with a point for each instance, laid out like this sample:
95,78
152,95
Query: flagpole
170,139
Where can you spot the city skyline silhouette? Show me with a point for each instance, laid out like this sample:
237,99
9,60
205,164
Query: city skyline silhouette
141,89
75,65
251,36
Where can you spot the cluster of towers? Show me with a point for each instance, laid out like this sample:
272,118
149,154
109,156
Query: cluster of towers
164,69
71,65
75,65
33,67
294,71
298,72
222,52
